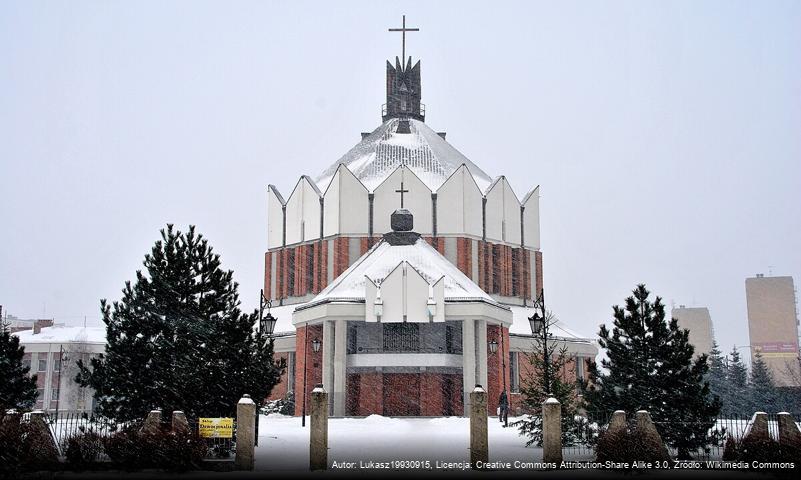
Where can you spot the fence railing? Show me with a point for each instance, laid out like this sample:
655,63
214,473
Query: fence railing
580,432
217,448
67,424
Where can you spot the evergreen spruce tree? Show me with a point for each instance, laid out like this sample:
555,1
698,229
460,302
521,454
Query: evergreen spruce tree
17,389
717,376
562,387
762,389
650,366
737,379
177,339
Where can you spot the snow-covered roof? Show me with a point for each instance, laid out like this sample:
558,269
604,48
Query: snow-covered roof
521,326
382,259
423,151
63,334
283,316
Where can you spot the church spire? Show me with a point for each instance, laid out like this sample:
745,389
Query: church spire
403,84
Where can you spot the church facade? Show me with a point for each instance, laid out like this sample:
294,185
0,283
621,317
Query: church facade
403,275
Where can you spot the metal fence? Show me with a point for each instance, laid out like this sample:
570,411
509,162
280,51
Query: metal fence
217,448
581,432
67,424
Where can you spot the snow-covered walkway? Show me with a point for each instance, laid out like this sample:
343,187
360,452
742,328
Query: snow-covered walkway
284,444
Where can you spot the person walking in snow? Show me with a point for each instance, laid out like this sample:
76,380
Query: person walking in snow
503,409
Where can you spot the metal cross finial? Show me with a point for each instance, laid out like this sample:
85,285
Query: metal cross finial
401,191
403,31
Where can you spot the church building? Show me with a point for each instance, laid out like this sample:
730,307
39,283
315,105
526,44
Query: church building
403,274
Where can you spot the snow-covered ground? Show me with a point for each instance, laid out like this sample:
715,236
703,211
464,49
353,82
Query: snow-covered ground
284,444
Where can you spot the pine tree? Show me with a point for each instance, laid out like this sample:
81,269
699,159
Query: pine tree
534,390
177,339
761,387
650,366
717,376
737,379
17,389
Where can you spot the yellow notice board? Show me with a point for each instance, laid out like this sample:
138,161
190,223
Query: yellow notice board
216,427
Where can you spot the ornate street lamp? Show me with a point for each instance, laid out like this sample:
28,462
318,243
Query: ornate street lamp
266,323
493,346
539,326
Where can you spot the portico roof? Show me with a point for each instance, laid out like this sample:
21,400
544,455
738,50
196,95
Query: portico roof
383,258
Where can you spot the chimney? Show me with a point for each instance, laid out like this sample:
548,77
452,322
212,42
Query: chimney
38,324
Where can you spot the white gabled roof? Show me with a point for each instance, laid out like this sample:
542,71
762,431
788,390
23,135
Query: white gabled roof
62,334
379,262
423,151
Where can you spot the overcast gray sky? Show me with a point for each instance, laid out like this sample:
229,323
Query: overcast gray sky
666,136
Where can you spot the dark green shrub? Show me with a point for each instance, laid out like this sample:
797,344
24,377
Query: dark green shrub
83,450
628,446
127,448
730,452
134,449
758,447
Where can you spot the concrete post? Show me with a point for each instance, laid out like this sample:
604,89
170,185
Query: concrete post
479,444
179,423
758,426
646,426
45,455
618,422
245,433
318,434
552,431
789,434
152,423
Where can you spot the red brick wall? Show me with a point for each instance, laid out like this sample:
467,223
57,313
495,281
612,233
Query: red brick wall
496,265
268,264
279,391
314,373
399,393
527,374
496,365
538,273
464,255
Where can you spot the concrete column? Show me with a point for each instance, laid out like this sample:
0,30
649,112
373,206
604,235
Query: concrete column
758,425
647,428
468,362
789,434
45,455
618,422
318,436
152,423
328,356
479,444
481,352
245,433
552,431
179,423
340,366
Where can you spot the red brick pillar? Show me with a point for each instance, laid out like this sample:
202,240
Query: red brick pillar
268,265
305,335
538,273
284,288
324,264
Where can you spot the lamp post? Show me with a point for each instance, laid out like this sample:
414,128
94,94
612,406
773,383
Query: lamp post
266,325
493,347
61,360
316,348
539,325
